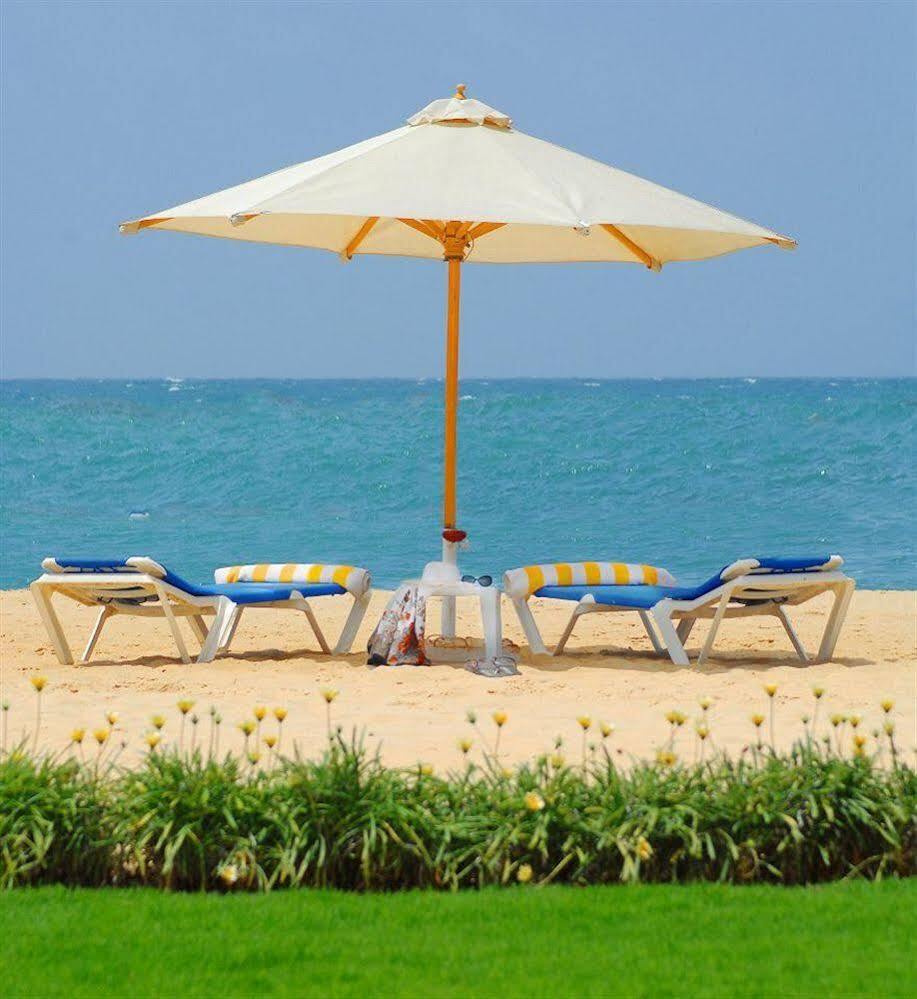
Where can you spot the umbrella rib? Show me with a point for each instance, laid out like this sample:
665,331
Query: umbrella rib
362,233
629,244
483,228
423,227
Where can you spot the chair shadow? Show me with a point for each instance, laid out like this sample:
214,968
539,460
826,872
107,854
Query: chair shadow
645,661
253,656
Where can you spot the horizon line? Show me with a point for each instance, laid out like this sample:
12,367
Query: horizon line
439,378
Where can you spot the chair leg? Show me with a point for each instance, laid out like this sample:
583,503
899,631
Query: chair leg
104,614
532,634
224,612
658,647
173,624
568,631
307,610
228,631
781,613
352,624
842,595
685,627
52,624
198,627
663,618
714,628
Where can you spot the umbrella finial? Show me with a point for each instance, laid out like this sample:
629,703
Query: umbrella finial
460,91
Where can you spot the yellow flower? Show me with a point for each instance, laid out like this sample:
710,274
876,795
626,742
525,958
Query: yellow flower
557,760
280,714
524,874
757,720
101,735
499,718
859,741
770,689
534,801
329,694
705,703
887,705
702,732
666,758
158,721
854,721
644,850
837,719
819,692
606,729
253,757
260,712
584,722
676,718
39,683
152,739
270,741
185,706
111,717
425,770
464,745
507,772
77,735
247,726
229,874
889,728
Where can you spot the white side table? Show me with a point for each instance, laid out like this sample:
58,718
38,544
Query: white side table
488,598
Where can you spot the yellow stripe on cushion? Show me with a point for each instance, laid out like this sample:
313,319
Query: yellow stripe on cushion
564,573
536,577
233,575
314,574
593,573
650,575
342,574
259,573
287,572
622,576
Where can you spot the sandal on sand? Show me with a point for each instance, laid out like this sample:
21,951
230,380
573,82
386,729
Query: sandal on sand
493,667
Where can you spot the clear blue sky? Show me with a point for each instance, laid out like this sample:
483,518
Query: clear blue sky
798,116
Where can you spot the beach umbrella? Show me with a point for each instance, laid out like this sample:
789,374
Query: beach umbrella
459,182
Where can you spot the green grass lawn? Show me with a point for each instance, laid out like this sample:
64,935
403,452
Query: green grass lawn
840,939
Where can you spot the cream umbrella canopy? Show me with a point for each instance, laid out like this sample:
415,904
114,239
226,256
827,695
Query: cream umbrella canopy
460,183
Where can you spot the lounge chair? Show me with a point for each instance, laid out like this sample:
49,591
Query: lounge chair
142,587
746,588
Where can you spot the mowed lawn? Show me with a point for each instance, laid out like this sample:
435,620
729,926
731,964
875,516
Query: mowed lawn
840,939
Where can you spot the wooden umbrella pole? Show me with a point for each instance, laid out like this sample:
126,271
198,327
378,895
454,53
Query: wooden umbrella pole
453,294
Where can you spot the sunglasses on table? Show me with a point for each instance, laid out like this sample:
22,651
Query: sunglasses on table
480,580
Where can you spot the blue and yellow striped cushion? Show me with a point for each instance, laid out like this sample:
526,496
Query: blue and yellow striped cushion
354,579
530,578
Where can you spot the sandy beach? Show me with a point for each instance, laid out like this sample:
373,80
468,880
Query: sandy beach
419,713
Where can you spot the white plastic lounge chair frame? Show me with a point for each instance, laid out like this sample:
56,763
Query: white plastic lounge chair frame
118,592
764,593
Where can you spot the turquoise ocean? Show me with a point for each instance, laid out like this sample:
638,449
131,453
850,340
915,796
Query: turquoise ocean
683,474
